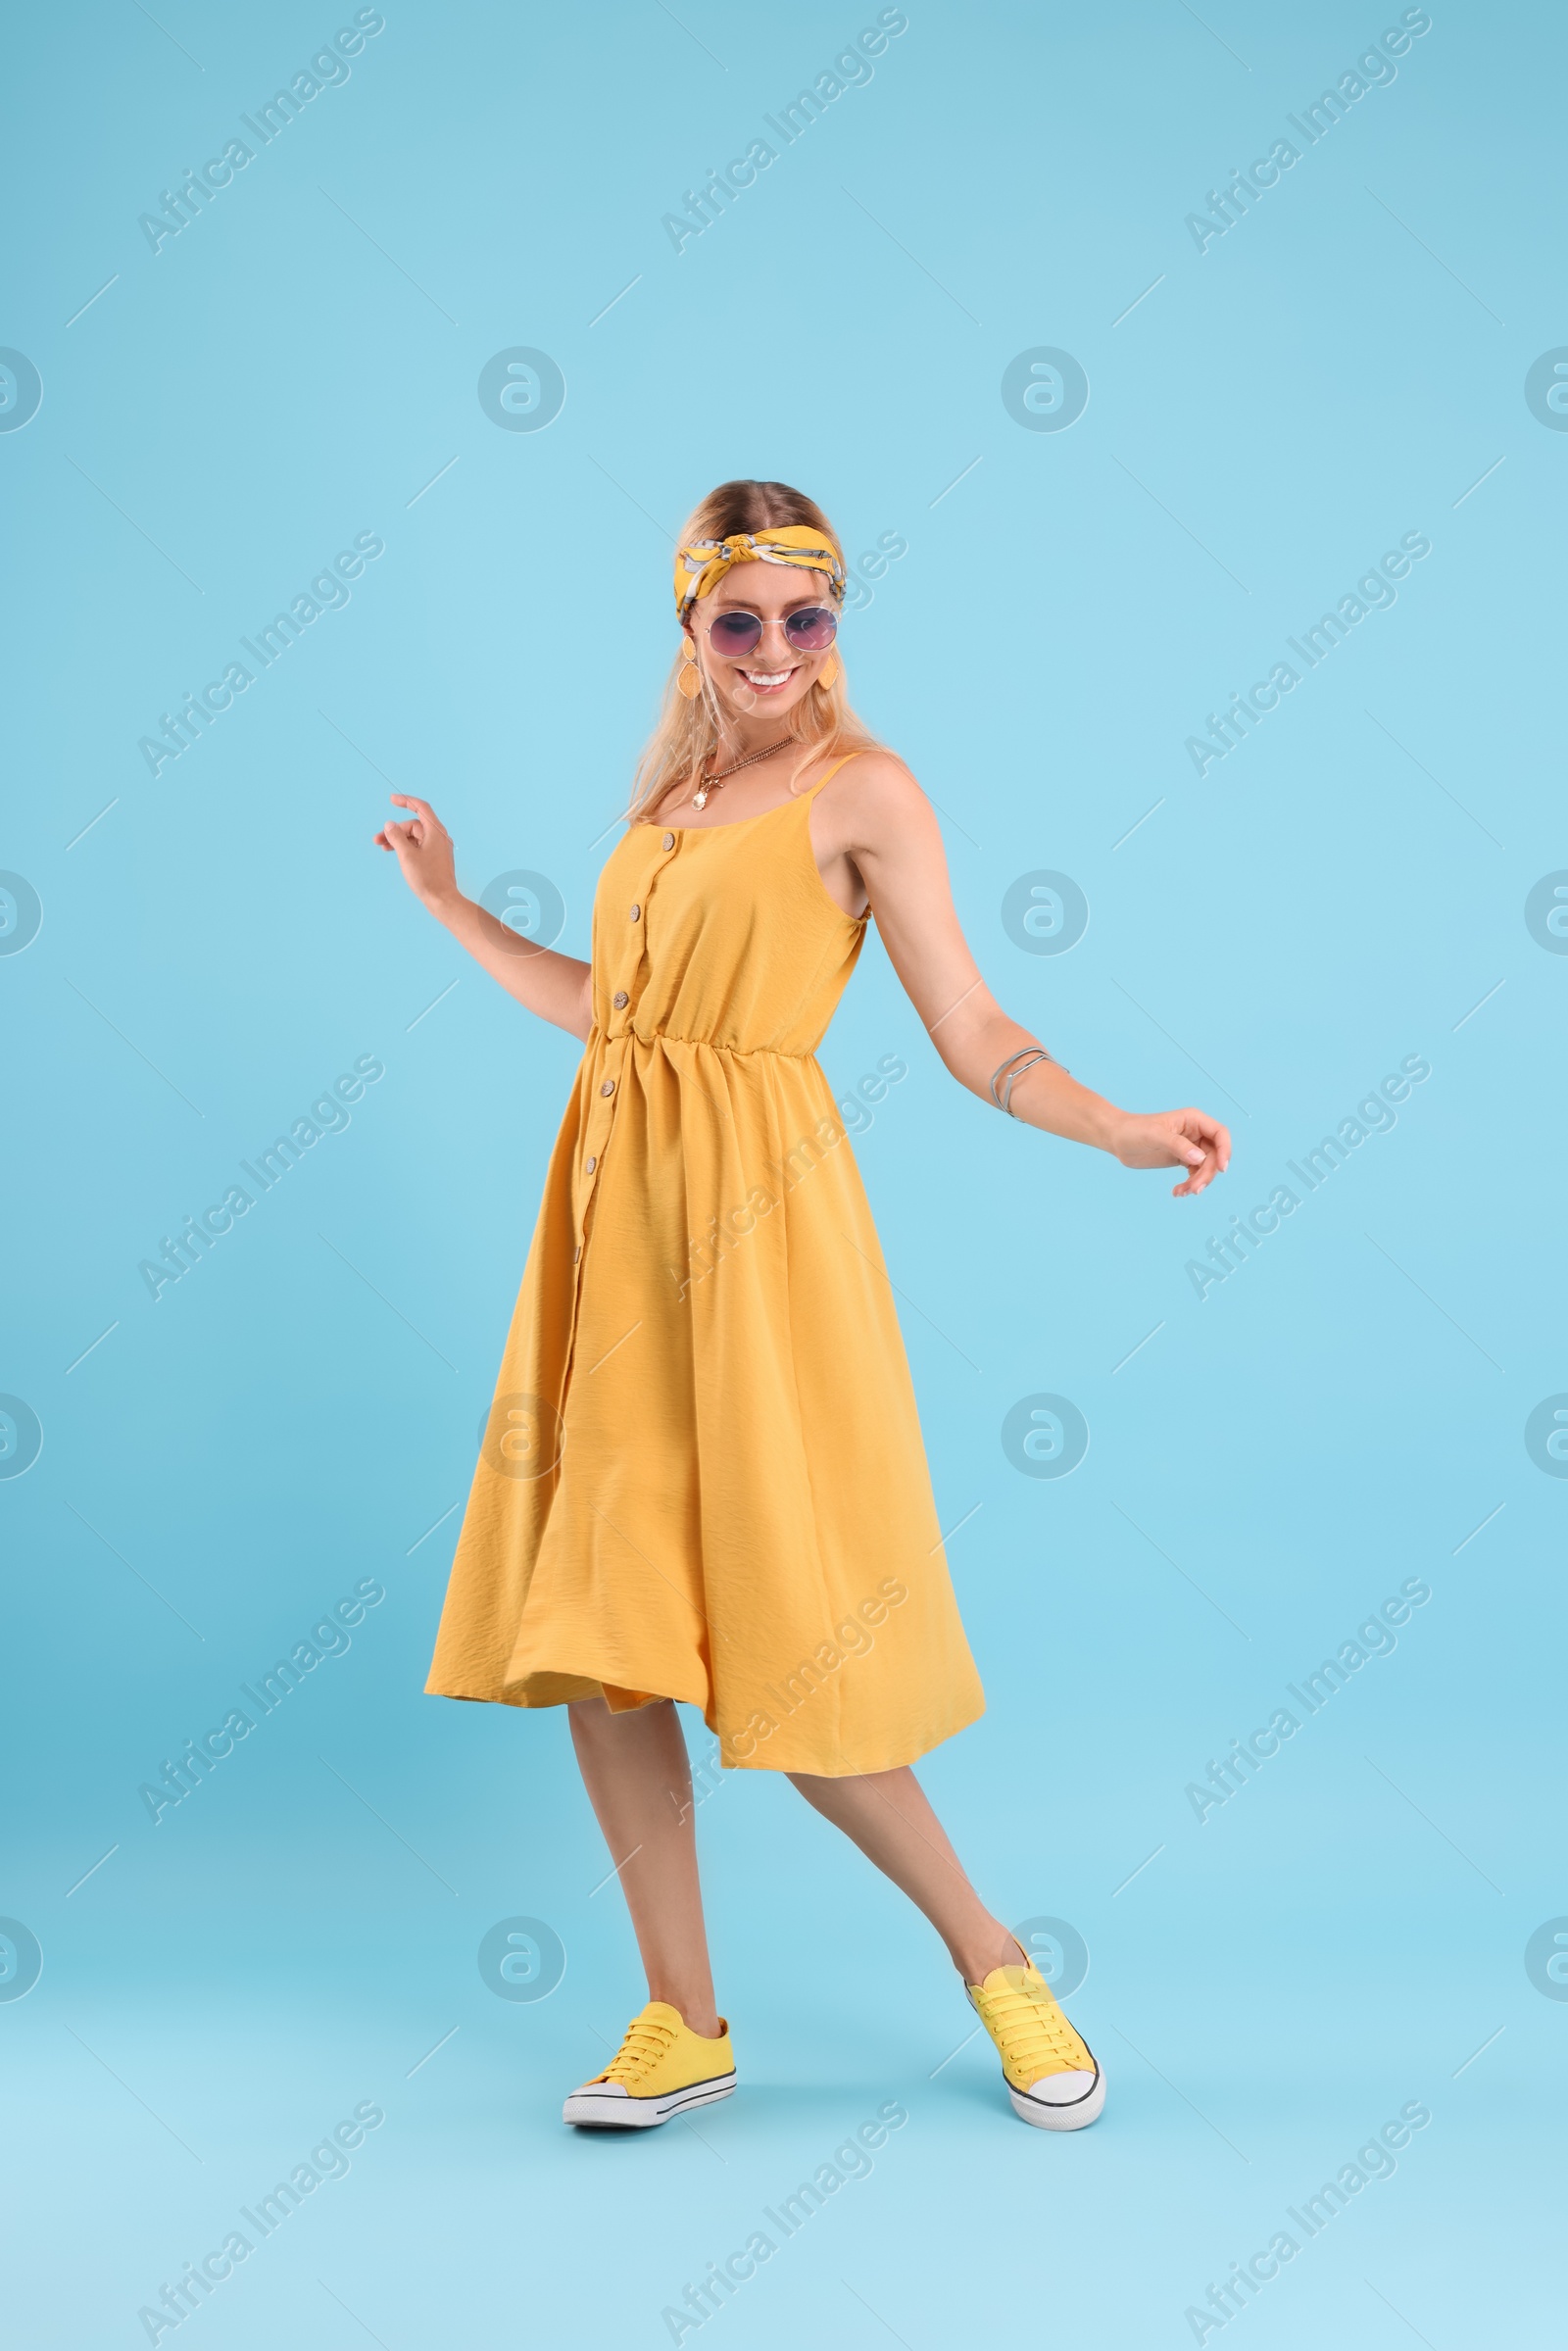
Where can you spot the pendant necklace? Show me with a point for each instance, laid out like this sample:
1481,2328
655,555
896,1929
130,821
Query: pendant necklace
710,783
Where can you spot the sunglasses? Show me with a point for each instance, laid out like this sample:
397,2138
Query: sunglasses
810,630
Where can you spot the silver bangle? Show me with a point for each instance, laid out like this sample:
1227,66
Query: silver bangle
1015,1064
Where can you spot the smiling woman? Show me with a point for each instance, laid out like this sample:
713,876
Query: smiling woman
752,545
691,1485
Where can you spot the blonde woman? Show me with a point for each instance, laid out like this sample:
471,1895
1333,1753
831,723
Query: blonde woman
702,1477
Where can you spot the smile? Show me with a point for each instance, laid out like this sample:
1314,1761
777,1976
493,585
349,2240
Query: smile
767,682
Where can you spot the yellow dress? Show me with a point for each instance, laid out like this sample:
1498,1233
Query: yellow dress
702,1477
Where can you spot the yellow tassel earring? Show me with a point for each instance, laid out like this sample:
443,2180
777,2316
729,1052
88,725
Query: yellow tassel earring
689,677
828,674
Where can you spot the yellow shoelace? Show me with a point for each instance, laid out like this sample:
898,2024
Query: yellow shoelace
1033,2035
647,2039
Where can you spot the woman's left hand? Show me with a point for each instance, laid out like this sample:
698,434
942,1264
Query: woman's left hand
1188,1139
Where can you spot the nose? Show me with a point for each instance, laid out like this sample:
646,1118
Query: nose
774,648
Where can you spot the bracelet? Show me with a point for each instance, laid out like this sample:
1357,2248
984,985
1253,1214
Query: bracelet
1015,1064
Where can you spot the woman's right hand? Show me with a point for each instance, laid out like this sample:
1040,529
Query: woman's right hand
423,848
558,987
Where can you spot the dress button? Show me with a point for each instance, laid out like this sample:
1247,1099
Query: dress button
636,913
669,840
620,1000
590,1164
609,1086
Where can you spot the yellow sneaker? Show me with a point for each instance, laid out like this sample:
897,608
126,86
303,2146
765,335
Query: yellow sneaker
1050,2073
661,2069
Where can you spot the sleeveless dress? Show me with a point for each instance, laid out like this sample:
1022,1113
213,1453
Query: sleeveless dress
702,1477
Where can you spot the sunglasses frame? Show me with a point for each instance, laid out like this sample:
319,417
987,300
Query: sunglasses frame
739,612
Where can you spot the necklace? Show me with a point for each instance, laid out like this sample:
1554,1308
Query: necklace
710,783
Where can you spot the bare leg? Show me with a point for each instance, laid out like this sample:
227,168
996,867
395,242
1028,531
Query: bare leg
639,1782
888,1816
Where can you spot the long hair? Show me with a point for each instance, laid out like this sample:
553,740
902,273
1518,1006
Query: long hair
688,733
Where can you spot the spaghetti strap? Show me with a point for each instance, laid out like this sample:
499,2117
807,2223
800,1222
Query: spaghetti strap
828,778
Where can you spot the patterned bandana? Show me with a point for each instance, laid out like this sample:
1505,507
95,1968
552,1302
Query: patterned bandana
700,566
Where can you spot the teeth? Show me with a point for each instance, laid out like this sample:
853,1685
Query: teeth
765,677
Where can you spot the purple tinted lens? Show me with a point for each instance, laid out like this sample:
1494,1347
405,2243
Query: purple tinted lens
735,632
814,630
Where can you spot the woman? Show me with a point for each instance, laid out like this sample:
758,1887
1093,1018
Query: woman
702,1478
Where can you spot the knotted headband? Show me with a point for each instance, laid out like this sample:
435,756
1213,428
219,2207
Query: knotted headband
700,566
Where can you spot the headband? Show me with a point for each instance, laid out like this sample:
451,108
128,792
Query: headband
700,566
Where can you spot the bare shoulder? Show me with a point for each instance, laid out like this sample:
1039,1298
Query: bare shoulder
873,802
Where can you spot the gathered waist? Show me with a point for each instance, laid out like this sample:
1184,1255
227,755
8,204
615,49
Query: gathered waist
599,1038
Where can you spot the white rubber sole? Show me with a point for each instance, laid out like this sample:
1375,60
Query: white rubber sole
596,2106
1074,2116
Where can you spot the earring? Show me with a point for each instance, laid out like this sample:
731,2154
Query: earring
828,674
689,677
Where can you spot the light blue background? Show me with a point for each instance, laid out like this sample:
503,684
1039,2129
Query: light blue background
1341,891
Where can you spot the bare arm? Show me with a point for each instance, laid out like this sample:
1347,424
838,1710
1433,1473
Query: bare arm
882,822
556,987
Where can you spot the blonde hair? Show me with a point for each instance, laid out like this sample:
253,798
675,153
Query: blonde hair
688,733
